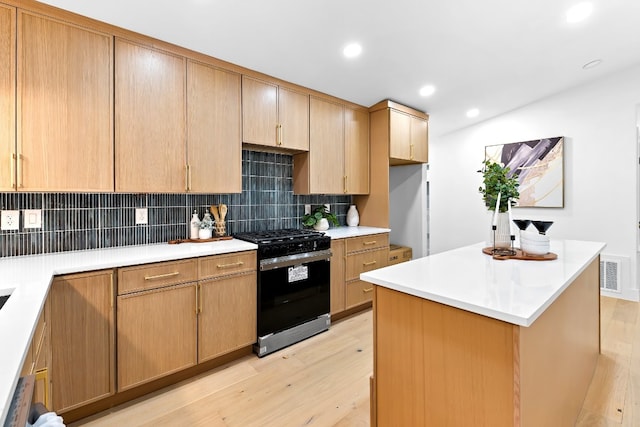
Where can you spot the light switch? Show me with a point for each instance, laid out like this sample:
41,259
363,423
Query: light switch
32,218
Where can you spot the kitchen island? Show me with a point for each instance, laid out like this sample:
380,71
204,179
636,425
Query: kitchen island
463,339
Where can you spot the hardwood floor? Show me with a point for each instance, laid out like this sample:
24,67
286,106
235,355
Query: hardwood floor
324,381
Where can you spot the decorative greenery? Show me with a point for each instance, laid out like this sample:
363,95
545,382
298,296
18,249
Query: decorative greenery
309,220
207,222
496,181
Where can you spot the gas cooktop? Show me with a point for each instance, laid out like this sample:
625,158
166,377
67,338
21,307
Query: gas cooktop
283,235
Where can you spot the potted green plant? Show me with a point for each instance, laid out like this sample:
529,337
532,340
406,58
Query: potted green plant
499,190
319,218
496,181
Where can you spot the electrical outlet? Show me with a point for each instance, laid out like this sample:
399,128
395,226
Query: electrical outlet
307,209
10,220
327,206
32,218
142,216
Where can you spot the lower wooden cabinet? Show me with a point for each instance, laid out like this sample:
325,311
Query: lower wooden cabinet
38,359
82,339
227,314
156,333
337,276
352,256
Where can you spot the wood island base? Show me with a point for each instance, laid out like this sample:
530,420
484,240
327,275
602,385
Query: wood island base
435,365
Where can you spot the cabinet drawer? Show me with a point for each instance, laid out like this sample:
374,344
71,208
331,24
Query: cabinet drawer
365,261
222,265
150,276
365,243
359,292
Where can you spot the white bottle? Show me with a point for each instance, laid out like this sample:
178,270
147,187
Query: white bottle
195,225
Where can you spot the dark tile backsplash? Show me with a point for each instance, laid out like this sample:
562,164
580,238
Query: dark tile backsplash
79,221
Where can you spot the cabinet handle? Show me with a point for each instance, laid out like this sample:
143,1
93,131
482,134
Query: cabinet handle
186,177
366,264
111,288
20,167
189,177
12,165
367,290
200,297
161,276
233,264
372,242
279,130
411,152
197,307
345,183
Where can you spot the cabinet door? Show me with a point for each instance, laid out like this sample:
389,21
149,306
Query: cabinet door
356,151
7,97
419,140
65,106
82,339
259,112
156,334
227,319
337,276
293,117
400,135
214,142
326,147
149,120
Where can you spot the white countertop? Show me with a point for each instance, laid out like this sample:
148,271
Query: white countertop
345,232
511,290
29,278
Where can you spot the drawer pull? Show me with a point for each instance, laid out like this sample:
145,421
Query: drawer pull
367,290
161,276
373,242
233,264
366,264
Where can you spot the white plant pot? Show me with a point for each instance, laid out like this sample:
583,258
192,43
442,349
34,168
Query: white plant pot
321,225
204,233
502,233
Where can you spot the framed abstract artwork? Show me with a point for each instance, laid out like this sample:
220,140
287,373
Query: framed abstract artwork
539,167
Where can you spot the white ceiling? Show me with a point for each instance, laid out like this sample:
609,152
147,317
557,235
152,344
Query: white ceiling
495,55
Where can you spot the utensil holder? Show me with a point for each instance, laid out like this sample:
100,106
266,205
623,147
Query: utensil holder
220,228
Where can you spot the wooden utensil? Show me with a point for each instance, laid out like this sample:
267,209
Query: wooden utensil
214,211
223,212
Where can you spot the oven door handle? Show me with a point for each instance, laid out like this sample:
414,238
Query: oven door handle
296,259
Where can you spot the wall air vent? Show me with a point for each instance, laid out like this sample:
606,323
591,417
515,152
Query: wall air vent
610,270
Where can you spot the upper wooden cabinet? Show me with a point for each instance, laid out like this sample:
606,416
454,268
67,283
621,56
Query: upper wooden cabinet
7,98
214,140
407,133
338,157
356,151
274,116
150,104
64,109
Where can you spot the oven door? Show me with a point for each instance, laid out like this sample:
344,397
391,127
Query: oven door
292,290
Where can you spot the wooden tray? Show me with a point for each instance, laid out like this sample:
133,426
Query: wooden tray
522,255
212,239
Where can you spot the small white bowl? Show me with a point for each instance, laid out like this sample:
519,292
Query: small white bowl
533,236
534,248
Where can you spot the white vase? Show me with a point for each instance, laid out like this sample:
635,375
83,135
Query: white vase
321,225
353,219
502,233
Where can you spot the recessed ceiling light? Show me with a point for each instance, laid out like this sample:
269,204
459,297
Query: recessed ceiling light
352,50
592,64
427,90
473,113
579,12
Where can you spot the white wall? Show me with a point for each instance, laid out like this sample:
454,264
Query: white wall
598,122
408,207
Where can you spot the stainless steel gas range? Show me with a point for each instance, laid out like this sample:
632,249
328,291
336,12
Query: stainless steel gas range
293,286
